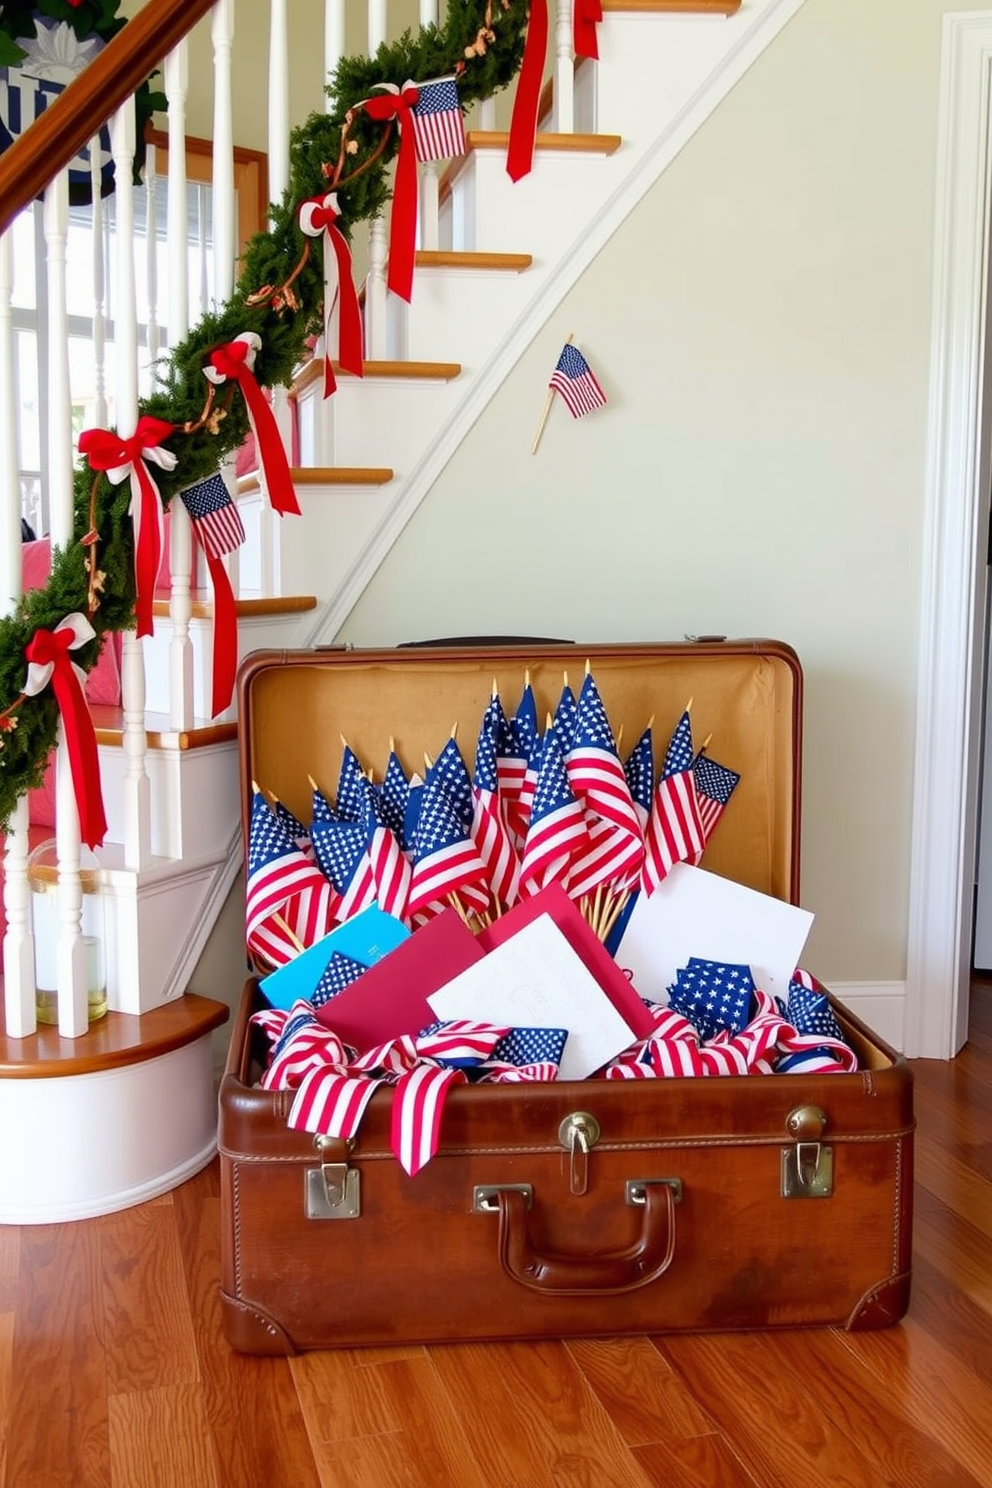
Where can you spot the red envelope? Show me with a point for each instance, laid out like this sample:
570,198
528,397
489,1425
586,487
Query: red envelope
391,997
555,903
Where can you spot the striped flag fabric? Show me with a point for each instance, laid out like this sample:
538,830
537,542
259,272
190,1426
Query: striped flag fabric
715,784
288,899
215,518
391,870
517,764
490,833
614,852
341,850
438,126
556,832
575,380
674,833
446,861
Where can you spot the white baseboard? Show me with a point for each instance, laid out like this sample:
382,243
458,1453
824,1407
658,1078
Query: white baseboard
882,1005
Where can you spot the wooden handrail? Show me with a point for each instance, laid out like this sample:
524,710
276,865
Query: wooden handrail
88,102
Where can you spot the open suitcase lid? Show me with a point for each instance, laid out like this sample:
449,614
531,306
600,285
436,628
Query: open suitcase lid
295,707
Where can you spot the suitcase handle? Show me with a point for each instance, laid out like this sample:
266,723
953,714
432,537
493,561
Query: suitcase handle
625,1270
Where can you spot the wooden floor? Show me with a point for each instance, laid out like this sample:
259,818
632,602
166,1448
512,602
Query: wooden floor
114,1371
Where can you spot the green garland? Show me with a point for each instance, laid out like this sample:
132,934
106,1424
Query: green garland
484,41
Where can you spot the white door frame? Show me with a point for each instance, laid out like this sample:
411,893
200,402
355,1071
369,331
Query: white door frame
955,536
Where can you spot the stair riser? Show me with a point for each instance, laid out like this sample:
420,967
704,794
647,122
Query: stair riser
254,633
194,798
413,413
312,554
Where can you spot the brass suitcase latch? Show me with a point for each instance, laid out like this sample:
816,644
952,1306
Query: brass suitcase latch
808,1165
333,1191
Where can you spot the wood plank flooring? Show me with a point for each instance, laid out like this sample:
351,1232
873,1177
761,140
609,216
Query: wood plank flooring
114,1372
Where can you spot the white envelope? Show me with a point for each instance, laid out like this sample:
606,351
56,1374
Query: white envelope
695,913
536,980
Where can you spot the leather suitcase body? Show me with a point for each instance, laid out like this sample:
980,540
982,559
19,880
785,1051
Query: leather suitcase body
565,1208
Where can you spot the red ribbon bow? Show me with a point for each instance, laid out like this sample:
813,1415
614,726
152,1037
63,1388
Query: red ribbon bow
523,121
318,215
397,103
235,362
119,457
48,655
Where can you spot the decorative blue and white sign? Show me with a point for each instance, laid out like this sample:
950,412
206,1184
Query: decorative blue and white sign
55,55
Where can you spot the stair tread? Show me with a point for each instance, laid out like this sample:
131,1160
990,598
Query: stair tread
326,475
678,7
202,607
563,144
372,371
108,722
446,259
115,1040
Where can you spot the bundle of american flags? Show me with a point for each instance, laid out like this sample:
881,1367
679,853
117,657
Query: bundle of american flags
540,806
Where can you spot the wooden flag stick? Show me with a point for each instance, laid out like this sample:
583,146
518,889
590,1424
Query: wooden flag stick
614,913
547,409
281,924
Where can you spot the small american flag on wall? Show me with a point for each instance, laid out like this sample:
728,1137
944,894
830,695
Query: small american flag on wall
574,379
438,127
214,515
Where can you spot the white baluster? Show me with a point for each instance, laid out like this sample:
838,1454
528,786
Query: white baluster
176,73
428,171
151,262
487,114
376,335
71,953
378,24
18,943
10,486
375,292
334,38
99,291
59,398
278,100
222,33
137,790
564,109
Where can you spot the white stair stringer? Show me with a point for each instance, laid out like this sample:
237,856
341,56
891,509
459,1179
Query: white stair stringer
158,920
658,79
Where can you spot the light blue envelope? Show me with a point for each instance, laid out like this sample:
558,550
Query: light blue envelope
366,937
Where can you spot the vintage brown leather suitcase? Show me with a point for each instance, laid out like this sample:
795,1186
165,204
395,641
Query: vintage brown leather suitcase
570,1208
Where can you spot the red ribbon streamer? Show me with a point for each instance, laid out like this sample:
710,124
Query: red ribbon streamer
523,121
233,362
318,215
403,226
51,648
107,450
585,18
225,658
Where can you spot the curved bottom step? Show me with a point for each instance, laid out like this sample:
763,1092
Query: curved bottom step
122,1124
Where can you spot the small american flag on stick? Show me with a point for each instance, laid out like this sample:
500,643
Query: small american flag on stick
575,380
438,127
214,515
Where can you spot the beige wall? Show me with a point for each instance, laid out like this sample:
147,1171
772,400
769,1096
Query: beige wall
761,326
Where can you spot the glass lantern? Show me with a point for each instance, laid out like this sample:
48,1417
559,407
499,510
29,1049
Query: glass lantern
43,879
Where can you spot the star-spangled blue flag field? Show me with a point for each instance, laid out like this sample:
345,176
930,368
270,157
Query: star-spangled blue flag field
713,996
639,770
531,1046
715,784
438,126
575,380
339,973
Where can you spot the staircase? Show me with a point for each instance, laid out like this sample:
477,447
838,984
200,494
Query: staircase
501,260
